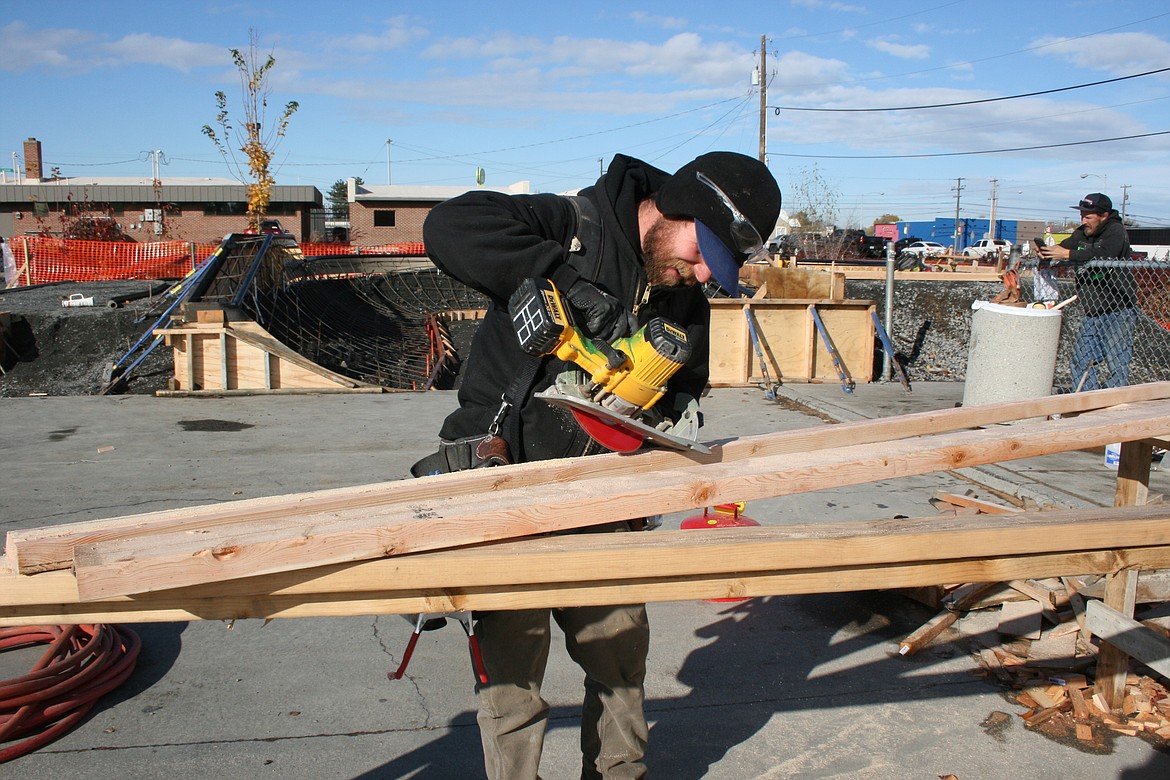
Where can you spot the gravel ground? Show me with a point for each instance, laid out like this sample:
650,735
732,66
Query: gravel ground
57,350
931,323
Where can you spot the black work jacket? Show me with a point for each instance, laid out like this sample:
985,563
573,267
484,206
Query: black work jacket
492,242
1101,289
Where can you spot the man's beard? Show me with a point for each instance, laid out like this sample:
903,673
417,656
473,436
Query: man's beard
660,259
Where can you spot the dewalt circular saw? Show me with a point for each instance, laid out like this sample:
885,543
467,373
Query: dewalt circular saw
618,384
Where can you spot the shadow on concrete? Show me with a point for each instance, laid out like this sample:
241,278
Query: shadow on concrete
161,644
763,657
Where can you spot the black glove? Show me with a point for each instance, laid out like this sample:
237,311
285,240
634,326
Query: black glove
604,316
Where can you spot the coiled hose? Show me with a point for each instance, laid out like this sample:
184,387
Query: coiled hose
81,664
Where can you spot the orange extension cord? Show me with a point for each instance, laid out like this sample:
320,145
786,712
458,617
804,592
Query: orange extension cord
82,664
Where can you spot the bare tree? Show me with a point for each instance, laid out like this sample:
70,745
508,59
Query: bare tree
257,142
817,212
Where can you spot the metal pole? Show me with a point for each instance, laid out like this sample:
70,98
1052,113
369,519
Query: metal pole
763,98
958,194
991,231
887,358
388,142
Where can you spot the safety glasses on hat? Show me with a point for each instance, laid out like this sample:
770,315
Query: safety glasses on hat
747,239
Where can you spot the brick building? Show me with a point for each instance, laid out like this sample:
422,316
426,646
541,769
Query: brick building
394,213
205,210
182,209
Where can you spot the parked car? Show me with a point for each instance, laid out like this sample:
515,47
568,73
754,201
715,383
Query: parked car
989,247
855,243
902,243
924,249
267,226
912,256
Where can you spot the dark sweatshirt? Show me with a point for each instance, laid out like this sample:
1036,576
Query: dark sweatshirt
492,242
1101,290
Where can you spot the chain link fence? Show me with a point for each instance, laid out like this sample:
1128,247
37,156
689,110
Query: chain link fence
1116,330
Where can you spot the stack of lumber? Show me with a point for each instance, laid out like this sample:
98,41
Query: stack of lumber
476,540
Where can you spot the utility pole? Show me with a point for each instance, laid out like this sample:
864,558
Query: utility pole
958,194
991,227
388,142
763,97
1124,199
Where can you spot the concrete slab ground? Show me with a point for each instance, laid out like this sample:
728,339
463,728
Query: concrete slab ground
786,687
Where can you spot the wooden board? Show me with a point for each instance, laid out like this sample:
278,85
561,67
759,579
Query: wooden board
439,520
789,340
579,569
797,283
41,549
961,274
1129,636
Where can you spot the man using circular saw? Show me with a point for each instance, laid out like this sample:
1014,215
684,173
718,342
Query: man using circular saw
636,246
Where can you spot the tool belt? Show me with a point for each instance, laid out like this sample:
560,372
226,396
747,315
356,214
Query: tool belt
470,452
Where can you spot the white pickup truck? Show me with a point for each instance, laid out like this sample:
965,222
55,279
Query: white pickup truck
989,246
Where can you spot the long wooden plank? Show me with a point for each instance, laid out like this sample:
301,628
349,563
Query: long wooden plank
44,549
139,565
179,605
681,553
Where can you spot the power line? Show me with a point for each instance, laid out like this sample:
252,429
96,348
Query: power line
983,59
90,165
778,109
964,154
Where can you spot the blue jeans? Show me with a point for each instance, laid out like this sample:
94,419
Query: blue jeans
1107,338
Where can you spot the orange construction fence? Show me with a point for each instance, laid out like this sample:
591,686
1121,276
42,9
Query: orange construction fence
40,259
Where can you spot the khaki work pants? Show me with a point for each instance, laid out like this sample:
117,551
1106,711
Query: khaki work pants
609,644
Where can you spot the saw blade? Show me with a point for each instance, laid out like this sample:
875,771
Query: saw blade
616,431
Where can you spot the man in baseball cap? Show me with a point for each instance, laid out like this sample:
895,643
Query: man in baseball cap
1097,252
636,246
1095,203
734,201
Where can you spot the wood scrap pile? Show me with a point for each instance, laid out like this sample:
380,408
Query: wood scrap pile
1048,653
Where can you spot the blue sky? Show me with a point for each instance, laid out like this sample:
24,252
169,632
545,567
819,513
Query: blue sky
549,92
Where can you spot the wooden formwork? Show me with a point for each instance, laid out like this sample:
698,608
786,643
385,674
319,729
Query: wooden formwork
793,350
215,354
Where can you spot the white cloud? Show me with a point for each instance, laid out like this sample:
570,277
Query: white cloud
1117,53
173,53
905,51
24,49
665,22
683,58
829,5
798,70
398,34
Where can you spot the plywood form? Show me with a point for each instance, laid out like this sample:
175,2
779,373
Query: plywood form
242,355
789,340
